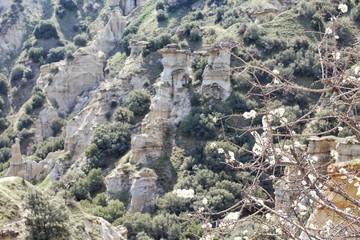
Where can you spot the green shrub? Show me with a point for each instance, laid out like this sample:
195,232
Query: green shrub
171,203
195,34
159,42
185,32
24,122
252,33
199,126
80,40
45,30
5,154
124,115
17,73
2,106
135,223
35,54
3,85
160,5
3,123
100,199
161,15
38,98
114,210
108,140
57,125
198,65
80,190
28,73
60,11
56,54
139,102
68,4
240,103
51,145
95,179
69,55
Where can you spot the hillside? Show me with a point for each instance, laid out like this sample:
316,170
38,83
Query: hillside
181,119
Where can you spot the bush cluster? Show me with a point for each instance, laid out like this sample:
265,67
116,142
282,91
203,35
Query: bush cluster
139,102
51,145
80,40
108,140
56,54
45,30
91,183
192,32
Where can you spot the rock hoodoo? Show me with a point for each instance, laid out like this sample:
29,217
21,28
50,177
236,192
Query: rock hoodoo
31,170
216,76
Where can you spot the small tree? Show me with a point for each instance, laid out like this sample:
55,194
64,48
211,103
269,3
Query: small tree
139,101
45,221
45,30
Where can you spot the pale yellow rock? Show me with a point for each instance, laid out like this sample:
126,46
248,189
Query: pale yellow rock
216,76
143,190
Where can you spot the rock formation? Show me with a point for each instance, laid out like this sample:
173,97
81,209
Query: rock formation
344,175
143,190
216,76
31,170
128,5
170,104
137,48
330,154
13,30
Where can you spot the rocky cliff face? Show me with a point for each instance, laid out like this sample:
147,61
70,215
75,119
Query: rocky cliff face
13,27
330,154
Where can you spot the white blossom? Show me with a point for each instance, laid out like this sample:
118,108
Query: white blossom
343,8
271,177
265,227
283,120
276,81
231,156
334,154
268,216
343,171
220,150
336,37
207,225
250,115
312,178
302,208
313,159
340,129
279,112
312,193
337,55
275,71
185,193
205,201
213,145
272,162
328,31
357,70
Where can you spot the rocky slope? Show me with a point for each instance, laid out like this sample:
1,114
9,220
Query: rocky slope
78,85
